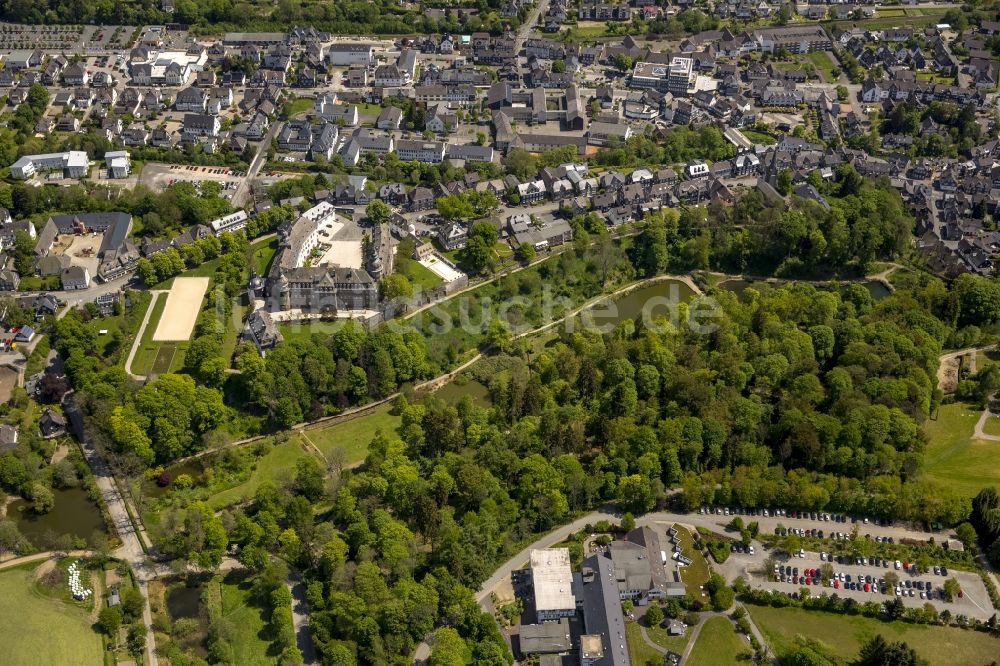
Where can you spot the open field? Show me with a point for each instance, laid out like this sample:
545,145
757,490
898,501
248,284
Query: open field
277,464
38,629
825,64
953,457
297,106
181,310
248,620
717,644
352,437
844,634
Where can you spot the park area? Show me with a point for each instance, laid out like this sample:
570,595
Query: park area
953,458
843,635
42,628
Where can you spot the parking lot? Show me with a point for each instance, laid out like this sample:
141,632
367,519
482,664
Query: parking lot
158,177
974,601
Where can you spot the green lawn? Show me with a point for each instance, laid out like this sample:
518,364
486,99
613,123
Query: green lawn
303,330
38,629
297,106
353,436
717,644
38,283
844,635
249,622
417,273
953,458
641,652
823,63
992,426
206,269
660,636
695,575
142,363
759,137
263,254
276,465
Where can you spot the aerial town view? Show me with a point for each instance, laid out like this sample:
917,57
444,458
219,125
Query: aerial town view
496,332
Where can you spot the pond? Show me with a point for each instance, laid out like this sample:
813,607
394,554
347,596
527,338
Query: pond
460,387
650,302
736,285
184,601
74,514
877,289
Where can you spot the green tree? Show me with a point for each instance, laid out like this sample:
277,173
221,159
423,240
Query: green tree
110,621
396,286
378,212
654,615
526,252
951,589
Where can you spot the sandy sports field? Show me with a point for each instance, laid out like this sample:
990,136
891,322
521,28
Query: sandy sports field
182,308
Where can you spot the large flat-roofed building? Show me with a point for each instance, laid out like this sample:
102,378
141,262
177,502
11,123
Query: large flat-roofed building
792,38
552,581
679,75
73,163
350,54
258,38
546,638
604,643
420,151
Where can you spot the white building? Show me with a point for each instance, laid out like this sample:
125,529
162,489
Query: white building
420,151
304,235
350,54
119,163
552,580
73,163
232,222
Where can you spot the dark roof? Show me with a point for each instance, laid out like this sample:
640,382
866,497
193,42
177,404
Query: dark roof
602,609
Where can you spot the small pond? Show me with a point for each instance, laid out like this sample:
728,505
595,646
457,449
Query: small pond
184,601
74,513
457,389
649,302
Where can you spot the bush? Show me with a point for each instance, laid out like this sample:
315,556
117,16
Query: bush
165,479
719,550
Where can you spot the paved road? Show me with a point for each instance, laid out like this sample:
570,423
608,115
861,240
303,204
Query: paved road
35,557
131,549
300,619
239,197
